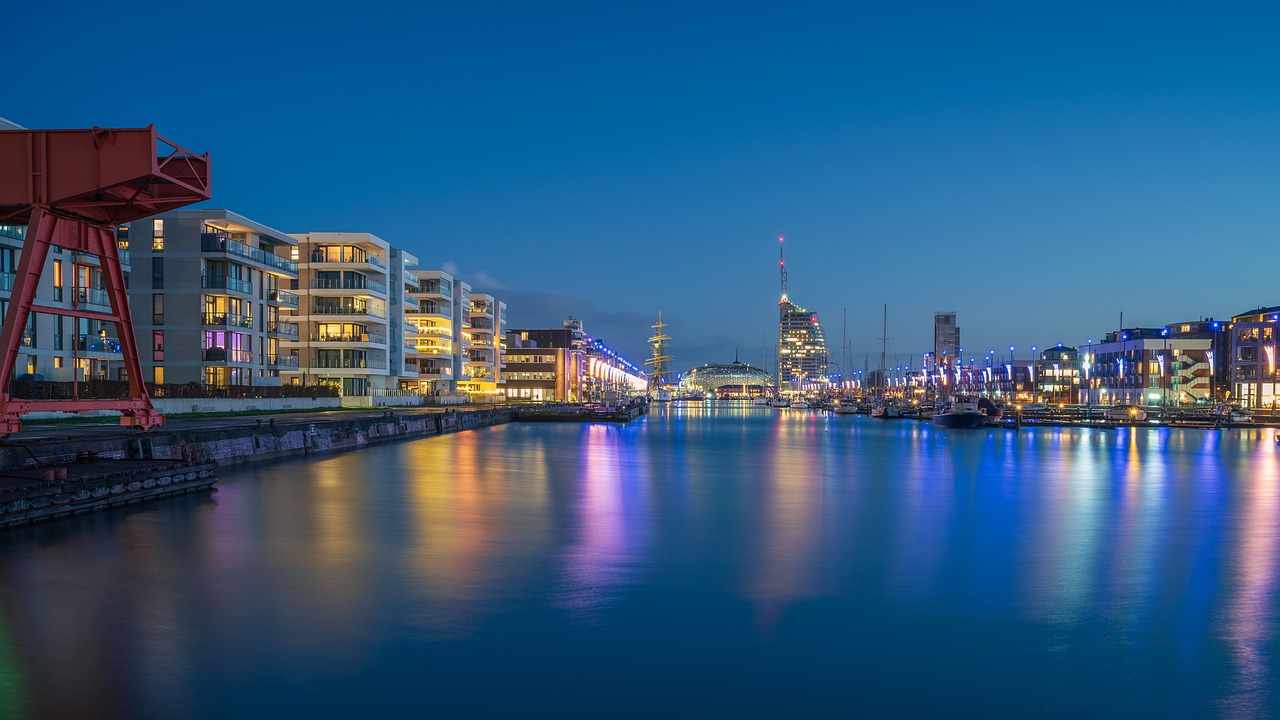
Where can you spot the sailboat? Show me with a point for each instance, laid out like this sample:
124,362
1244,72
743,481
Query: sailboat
660,361
885,408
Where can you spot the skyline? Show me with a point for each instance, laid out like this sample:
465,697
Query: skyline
1036,172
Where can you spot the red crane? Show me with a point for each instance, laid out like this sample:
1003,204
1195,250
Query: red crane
71,188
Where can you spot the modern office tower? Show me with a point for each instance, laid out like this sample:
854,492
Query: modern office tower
437,334
57,347
345,313
483,362
213,305
802,346
946,341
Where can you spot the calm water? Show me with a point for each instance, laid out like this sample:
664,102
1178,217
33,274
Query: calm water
710,562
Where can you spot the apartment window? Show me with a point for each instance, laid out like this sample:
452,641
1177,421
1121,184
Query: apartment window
157,374
157,309
57,332
157,235
157,345
29,334
157,273
57,280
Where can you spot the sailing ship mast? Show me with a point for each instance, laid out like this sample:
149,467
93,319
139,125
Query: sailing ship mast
884,349
660,361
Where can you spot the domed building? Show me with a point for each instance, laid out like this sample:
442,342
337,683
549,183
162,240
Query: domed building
736,379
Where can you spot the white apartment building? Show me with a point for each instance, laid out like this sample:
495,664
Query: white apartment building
483,360
345,313
438,331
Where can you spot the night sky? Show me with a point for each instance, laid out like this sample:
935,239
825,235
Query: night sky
1037,167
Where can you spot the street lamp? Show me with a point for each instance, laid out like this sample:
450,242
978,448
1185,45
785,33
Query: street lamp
1164,392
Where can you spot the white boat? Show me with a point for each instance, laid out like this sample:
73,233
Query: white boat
779,402
886,411
1126,413
661,395
845,406
799,404
962,413
761,400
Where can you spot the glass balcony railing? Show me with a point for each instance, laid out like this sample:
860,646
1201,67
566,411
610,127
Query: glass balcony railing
92,296
6,281
228,320
349,338
210,242
349,363
223,355
347,255
283,297
280,327
349,284
285,361
97,343
346,310
226,283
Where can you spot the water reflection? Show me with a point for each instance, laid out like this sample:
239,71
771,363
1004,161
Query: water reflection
1125,572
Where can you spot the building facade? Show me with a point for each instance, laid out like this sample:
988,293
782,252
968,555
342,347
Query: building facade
802,347
438,334
214,305
345,314
946,341
487,317
1149,366
566,365
1253,358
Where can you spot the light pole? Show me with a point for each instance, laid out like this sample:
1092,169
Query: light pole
1164,392
1088,381
1034,393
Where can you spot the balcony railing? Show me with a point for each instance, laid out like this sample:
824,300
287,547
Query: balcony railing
347,255
280,327
6,281
349,338
226,283
223,355
440,372
228,320
97,343
216,243
346,310
349,284
285,361
283,297
92,296
349,363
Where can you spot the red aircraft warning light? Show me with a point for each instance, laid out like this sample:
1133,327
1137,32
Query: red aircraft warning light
71,188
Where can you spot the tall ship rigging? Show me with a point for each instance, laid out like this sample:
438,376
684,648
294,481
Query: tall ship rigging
659,362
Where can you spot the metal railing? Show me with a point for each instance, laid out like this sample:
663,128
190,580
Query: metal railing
349,363
347,255
281,360
350,283
217,243
223,355
346,310
92,296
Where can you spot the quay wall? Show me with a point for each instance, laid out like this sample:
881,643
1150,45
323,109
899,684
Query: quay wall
251,440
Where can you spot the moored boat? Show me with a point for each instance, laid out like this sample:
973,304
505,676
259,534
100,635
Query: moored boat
963,412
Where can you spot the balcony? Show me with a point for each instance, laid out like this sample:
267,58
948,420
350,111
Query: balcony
349,338
219,282
283,361
213,243
348,364
222,356
435,372
347,310
349,284
347,255
92,296
280,327
228,320
282,297
98,344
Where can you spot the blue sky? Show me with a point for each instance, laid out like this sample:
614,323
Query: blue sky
1037,167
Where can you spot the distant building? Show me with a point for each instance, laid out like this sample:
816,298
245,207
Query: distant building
1253,358
802,347
488,322
946,341
736,379
566,365
1058,375
1150,366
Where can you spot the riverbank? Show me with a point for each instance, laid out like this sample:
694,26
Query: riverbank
67,470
